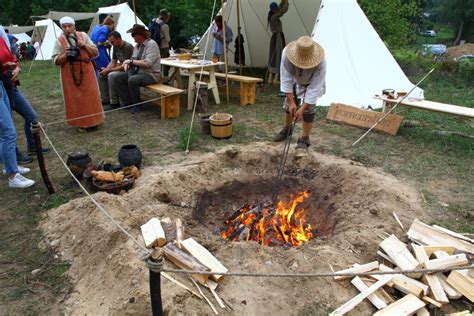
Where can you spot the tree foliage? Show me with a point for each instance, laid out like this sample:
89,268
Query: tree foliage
459,14
396,21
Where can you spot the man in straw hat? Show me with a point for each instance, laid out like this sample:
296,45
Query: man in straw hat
303,80
141,70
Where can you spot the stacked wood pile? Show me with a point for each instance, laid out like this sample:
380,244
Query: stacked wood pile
430,247
187,254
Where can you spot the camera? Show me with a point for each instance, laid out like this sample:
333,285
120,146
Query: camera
73,53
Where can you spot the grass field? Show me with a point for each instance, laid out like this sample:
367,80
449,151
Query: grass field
440,167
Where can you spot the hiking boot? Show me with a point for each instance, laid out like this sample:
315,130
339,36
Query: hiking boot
23,159
20,182
303,143
32,152
283,134
21,170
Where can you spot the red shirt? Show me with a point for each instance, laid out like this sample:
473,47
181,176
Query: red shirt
5,54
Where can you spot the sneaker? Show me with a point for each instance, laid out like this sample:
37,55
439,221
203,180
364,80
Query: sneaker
134,109
23,159
21,170
283,134
20,182
303,143
32,152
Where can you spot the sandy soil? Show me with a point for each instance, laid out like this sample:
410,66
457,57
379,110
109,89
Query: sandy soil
456,51
350,203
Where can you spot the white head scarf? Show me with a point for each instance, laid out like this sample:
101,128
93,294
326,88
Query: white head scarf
3,35
67,20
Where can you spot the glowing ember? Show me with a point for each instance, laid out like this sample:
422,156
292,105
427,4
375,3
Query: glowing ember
268,225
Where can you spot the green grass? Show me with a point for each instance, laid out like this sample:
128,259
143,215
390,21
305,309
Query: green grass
439,167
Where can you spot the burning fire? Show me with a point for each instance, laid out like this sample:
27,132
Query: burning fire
268,225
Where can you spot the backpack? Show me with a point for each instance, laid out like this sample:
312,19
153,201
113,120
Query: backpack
155,29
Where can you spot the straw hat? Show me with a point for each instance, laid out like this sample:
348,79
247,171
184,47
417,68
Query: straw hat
305,53
139,29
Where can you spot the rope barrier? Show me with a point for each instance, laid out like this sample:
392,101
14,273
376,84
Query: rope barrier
107,214
314,274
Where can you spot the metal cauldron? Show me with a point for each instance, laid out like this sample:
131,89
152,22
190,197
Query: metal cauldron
78,161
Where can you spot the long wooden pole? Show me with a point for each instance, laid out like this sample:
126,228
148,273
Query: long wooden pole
135,12
224,28
238,37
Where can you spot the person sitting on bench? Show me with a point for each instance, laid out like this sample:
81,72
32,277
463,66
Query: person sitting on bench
141,70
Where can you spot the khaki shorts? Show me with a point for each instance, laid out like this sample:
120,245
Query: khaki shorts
309,113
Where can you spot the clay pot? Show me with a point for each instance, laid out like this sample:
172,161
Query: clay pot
78,161
130,155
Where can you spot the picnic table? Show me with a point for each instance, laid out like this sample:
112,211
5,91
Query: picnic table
192,66
429,106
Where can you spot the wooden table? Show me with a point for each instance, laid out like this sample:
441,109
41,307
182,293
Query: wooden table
429,106
193,66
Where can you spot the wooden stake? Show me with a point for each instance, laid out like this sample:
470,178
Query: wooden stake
207,300
218,299
398,220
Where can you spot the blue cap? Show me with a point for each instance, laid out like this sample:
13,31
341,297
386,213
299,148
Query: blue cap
273,6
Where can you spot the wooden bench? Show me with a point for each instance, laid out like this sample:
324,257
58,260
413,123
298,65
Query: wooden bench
248,86
169,101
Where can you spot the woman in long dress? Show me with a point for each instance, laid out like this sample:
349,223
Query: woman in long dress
73,52
277,42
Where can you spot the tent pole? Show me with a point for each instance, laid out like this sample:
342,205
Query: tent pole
134,11
224,28
238,37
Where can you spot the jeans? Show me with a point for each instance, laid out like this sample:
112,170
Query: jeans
24,108
129,86
108,90
7,134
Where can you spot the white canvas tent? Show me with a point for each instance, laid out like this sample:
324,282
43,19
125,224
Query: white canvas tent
22,38
45,32
359,65
124,19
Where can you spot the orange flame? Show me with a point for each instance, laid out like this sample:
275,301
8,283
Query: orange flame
284,224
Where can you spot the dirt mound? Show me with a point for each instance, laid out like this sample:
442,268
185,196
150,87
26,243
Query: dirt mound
355,204
456,51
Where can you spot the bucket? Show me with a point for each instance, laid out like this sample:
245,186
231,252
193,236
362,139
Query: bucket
205,123
221,125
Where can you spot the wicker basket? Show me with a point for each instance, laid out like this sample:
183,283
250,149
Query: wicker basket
221,125
185,56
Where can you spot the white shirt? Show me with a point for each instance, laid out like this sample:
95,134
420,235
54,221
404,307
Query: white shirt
312,80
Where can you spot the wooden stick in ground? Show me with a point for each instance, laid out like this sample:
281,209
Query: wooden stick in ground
207,300
356,300
171,279
398,221
218,299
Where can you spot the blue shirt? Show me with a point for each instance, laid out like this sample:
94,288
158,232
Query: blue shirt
100,34
218,45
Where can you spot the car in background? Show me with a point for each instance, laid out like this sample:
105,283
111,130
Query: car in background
429,33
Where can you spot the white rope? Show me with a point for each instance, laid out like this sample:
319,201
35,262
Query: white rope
107,214
200,77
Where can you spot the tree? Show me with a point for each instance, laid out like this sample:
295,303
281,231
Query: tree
395,21
460,14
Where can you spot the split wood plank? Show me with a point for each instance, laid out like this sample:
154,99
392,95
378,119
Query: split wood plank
186,261
408,305
179,231
153,233
357,269
422,312
381,293
429,236
398,221
218,299
205,257
431,249
171,279
436,288
441,254
384,256
398,252
169,226
433,302
447,262
462,282
406,284
373,298
356,300
432,280
450,291
454,234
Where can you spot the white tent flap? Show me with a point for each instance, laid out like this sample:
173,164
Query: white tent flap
46,32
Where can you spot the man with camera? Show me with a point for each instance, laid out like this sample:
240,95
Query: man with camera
141,70
73,52
108,90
